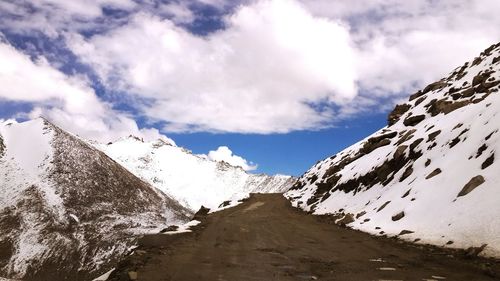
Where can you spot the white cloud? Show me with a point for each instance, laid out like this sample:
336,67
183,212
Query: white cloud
274,66
54,16
223,153
67,101
402,45
178,12
276,59
259,75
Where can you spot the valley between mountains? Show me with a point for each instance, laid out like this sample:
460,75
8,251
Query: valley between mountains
416,200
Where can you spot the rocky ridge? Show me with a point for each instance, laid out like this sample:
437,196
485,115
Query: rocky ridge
68,211
430,176
191,179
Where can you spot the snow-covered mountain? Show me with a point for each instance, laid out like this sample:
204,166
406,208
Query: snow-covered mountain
431,175
191,179
66,209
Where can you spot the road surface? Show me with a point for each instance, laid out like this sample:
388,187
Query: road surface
266,239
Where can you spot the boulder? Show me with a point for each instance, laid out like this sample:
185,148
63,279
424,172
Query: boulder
383,206
398,216
488,162
347,219
433,135
480,78
435,86
433,174
404,232
416,95
471,185
413,120
406,173
201,214
397,112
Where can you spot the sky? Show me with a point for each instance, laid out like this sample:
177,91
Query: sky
269,85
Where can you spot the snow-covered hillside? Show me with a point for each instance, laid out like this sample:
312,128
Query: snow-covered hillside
66,209
432,175
191,179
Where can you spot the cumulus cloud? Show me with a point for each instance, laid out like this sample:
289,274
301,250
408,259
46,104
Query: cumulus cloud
285,65
276,66
266,72
223,153
68,101
402,45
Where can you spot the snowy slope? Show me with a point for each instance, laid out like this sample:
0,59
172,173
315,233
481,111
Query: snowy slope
67,206
432,175
191,179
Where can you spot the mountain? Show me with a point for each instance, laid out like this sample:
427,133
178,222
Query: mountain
430,176
191,179
68,211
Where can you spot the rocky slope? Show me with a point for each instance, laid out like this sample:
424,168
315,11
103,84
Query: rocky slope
431,175
191,179
67,210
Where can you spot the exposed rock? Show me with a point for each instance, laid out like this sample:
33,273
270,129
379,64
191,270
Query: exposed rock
398,216
435,86
414,144
416,95
427,162
413,120
404,232
2,146
477,61
406,173
480,150
445,106
488,161
360,214
433,174
201,214
495,60
313,179
400,151
462,72
433,135
406,136
420,100
378,141
347,219
480,78
406,193
472,252
170,228
383,206
224,204
396,114
467,93
471,185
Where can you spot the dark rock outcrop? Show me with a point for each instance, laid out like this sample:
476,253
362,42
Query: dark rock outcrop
396,114
433,174
471,185
413,120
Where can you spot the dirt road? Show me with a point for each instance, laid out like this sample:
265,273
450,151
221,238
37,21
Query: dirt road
266,239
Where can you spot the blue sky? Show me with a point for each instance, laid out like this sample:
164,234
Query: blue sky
281,83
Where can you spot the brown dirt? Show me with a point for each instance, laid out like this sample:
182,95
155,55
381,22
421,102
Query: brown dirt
266,239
